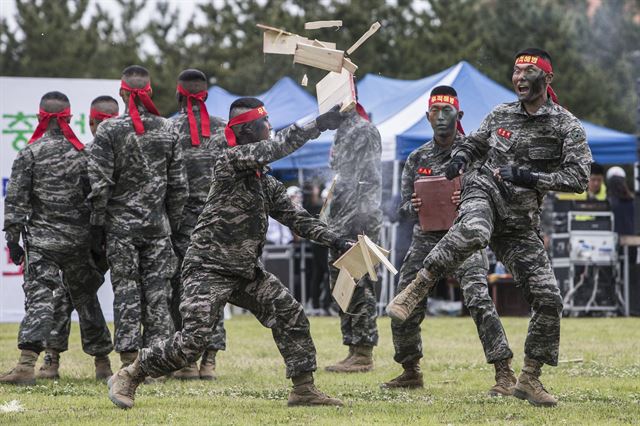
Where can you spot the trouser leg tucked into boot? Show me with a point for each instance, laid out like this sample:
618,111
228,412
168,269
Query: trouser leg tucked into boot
50,365
127,358
103,367
405,302
304,392
361,361
24,372
505,379
208,365
338,365
411,377
529,386
122,385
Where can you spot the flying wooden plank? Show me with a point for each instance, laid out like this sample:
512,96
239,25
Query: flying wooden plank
336,89
366,255
305,81
281,42
319,57
321,24
371,31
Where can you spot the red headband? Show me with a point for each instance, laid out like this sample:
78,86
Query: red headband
245,117
204,115
45,117
99,115
362,112
447,99
544,65
143,94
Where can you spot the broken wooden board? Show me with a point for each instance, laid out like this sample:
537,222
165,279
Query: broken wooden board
379,253
319,57
343,290
349,66
363,258
305,81
314,25
366,255
336,89
280,42
371,31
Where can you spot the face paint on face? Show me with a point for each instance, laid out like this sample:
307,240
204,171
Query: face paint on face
528,82
443,118
258,130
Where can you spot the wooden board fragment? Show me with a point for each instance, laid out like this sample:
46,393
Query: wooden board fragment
321,24
353,261
336,89
366,255
305,81
343,290
379,254
371,31
280,42
349,66
319,57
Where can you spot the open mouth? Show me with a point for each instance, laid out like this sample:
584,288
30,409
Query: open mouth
523,90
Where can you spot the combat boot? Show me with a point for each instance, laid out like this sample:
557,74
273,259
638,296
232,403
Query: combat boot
406,301
505,379
103,367
208,365
529,387
127,358
190,372
304,393
338,365
360,362
411,377
122,385
24,372
50,365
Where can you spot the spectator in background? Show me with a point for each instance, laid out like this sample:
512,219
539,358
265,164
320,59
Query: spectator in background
596,189
621,200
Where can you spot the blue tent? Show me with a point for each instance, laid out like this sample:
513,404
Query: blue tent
398,109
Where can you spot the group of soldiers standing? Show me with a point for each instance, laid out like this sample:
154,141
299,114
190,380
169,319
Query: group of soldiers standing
177,210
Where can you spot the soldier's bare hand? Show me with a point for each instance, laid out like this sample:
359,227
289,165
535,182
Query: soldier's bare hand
455,198
416,202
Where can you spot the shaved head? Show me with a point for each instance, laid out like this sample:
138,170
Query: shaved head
105,104
136,76
193,80
54,102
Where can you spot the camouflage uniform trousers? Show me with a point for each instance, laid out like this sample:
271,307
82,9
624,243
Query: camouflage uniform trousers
141,271
520,248
358,325
63,306
206,292
472,276
42,278
181,241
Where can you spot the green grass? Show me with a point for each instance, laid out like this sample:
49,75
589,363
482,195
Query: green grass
252,389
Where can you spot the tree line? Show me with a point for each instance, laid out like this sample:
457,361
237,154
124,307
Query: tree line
595,45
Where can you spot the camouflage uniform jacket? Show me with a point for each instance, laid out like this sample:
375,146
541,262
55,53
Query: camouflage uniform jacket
551,142
428,160
355,158
230,233
198,160
138,182
47,193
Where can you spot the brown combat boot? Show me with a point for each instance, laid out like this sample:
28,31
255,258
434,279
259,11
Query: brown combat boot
411,377
50,365
505,379
23,373
529,387
190,372
127,358
360,362
338,365
208,365
304,393
406,301
122,385
103,367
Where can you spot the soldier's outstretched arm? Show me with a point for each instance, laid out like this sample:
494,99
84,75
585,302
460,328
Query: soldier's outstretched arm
295,217
475,146
177,185
17,204
100,166
575,168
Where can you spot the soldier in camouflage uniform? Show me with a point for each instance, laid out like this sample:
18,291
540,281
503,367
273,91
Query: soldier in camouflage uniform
45,204
201,141
355,209
138,191
430,159
223,263
102,108
521,150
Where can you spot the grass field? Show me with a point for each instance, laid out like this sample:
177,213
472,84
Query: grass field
252,389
